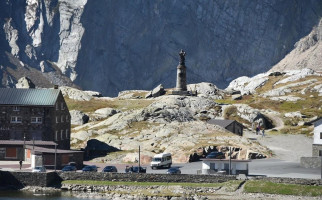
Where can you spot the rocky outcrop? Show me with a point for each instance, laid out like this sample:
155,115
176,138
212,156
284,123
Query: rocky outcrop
248,85
79,95
156,92
99,48
78,117
206,89
307,53
25,82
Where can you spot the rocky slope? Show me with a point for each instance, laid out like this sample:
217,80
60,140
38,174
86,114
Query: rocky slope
106,45
307,53
280,102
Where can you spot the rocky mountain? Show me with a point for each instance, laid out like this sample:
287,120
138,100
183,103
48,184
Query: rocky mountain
307,53
110,46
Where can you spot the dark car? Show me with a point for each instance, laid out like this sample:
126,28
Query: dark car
135,169
109,169
69,168
90,168
174,170
218,155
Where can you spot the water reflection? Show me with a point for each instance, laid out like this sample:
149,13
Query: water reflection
26,195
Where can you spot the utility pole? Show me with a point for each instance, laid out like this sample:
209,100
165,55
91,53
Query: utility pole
139,158
229,160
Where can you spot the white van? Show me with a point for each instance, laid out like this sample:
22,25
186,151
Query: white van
161,160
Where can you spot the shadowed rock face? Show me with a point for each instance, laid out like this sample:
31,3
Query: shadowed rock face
109,46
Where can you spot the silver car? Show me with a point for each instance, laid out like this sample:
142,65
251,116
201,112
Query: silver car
39,169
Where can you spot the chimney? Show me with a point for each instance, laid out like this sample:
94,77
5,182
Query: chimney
55,86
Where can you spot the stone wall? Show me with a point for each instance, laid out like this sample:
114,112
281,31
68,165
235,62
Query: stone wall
145,177
316,150
298,181
311,162
22,179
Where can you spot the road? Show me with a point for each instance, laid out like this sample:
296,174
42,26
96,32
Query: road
263,167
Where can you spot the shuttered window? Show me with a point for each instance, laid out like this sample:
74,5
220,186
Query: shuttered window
11,152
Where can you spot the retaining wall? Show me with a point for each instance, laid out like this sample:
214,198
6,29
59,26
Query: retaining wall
22,179
146,177
311,162
298,181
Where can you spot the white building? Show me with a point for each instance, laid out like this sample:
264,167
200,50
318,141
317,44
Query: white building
317,141
212,166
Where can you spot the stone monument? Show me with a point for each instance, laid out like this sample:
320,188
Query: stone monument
181,86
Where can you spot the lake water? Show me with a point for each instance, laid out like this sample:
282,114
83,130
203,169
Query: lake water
24,195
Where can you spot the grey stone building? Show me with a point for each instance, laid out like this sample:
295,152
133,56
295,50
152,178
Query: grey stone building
230,125
34,114
32,119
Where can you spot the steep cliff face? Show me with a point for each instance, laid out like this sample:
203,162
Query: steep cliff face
109,46
306,54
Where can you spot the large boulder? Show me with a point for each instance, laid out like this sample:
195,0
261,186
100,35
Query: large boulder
207,89
79,95
78,117
25,82
248,85
156,92
106,112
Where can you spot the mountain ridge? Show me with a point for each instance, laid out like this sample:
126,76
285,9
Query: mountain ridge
110,47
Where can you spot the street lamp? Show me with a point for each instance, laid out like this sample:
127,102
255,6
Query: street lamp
24,146
55,155
139,158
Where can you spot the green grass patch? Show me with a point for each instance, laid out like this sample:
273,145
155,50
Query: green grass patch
94,104
282,189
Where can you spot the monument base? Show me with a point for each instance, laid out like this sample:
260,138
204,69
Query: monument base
181,93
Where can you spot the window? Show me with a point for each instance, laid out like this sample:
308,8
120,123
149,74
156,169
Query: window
16,108
56,119
62,118
66,133
321,135
36,120
56,136
61,134
67,118
62,106
15,119
57,106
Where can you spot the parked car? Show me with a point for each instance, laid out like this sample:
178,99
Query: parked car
174,170
135,169
90,168
216,154
109,169
39,169
69,168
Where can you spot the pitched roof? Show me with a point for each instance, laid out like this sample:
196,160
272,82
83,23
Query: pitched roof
221,122
22,96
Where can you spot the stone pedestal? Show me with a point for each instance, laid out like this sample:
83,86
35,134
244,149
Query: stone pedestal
181,78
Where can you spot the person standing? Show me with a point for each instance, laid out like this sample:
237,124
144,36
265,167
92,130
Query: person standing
20,163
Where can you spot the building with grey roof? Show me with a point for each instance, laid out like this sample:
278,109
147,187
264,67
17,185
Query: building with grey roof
230,125
36,117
